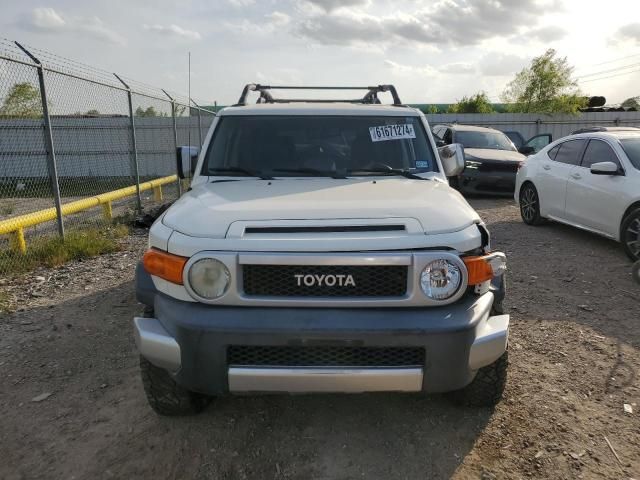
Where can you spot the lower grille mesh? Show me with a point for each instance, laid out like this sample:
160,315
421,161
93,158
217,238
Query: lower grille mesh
321,356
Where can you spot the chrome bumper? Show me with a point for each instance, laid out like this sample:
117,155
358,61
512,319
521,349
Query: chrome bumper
161,349
156,344
324,380
490,343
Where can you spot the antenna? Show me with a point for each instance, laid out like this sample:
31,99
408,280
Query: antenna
189,102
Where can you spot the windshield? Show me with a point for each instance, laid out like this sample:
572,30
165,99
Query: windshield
289,146
490,140
631,147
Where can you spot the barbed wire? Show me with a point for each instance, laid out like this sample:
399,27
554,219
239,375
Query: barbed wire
69,66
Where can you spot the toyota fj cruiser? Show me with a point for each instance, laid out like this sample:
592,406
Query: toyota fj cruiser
320,249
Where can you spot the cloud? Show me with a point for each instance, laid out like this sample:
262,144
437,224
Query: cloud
457,68
630,31
500,64
449,22
47,20
173,30
278,19
330,5
242,3
410,70
550,33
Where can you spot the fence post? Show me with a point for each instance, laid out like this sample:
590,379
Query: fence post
134,145
48,140
175,135
199,123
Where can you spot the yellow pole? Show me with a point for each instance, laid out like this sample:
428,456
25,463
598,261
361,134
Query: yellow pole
157,193
107,211
17,241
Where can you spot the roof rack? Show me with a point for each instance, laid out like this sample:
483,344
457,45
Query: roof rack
371,97
604,129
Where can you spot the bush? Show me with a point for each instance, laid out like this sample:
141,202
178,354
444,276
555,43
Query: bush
53,251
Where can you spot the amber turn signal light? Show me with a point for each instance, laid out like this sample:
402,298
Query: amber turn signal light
164,265
479,269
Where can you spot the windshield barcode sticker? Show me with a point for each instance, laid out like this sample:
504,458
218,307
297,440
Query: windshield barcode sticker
392,132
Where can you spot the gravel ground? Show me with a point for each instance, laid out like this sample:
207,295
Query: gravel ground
574,352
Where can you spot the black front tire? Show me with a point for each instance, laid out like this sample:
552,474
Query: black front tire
487,387
635,271
630,234
530,205
165,396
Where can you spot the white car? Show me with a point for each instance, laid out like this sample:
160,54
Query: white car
589,180
320,248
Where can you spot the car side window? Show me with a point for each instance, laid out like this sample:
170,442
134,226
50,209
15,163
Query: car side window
569,152
599,151
448,136
437,131
553,152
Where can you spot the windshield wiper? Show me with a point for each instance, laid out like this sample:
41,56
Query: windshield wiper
388,171
247,172
313,171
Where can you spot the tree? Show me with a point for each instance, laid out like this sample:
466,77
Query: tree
23,100
633,102
546,86
149,112
478,103
432,109
93,112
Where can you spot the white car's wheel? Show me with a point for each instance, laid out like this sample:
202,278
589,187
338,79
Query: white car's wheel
635,271
630,234
530,205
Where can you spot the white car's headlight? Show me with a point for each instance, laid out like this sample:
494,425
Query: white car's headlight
209,278
440,279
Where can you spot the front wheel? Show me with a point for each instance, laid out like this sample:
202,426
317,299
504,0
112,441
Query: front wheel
486,389
530,205
630,234
165,396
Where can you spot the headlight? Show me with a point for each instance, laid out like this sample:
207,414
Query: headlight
209,278
440,279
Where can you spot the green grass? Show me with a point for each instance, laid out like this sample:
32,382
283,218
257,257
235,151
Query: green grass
7,208
53,251
5,302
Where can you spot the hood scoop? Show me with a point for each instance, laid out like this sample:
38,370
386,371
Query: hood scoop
325,229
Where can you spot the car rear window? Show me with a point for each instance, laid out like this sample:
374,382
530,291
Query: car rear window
631,147
273,143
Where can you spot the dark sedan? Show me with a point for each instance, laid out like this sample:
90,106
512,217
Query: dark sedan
491,159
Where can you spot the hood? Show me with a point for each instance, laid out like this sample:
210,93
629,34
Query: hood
492,154
209,209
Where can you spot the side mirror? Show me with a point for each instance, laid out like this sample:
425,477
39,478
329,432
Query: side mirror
526,150
452,157
439,142
604,168
187,159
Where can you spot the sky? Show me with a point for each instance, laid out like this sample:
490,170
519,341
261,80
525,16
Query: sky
433,51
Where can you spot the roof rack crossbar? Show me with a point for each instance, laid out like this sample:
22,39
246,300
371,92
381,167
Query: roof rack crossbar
265,97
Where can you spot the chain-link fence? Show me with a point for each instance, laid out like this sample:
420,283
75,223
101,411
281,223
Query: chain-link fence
80,147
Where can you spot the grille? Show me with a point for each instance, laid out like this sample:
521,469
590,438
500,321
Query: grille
499,166
324,356
368,281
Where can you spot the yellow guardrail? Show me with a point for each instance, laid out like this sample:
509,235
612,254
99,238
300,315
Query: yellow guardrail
15,226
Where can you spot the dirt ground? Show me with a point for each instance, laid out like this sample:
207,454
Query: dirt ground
574,350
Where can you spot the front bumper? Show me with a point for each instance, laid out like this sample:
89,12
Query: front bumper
191,341
487,182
